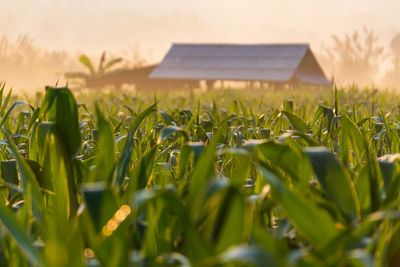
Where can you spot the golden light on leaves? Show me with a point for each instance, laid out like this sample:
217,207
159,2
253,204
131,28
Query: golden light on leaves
107,231
125,209
160,259
112,225
88,253
119,216
339,225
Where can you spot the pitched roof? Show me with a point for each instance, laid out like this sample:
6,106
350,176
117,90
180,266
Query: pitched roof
272,62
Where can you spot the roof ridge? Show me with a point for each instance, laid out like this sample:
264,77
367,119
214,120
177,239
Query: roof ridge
242,44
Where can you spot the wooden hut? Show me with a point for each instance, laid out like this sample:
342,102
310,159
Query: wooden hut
272,63
185,65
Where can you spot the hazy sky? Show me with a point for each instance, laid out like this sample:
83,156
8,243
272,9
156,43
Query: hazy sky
91,26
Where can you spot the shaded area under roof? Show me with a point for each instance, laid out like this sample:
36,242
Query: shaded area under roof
272,62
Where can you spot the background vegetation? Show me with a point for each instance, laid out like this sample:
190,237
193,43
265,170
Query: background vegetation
357,58
27,67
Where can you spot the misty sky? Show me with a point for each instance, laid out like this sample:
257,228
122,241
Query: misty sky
92,26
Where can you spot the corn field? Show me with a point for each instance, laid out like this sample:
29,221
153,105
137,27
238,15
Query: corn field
219,180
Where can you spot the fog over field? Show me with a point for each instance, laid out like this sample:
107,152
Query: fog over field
97,25
151,26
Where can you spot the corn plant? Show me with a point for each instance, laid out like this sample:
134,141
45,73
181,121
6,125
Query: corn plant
215,179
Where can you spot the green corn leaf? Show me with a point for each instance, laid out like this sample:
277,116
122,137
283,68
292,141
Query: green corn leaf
363,192
391,255
21,237
9,171
248,256
100,203
286,158
335,181
336,102
170,130
61,108
167,118
387,165
105,156
28,178
296,121
4,118
5,103
143,170
125,159
316,225
351,136
197,148
317,115
203,172
229,224
198,249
